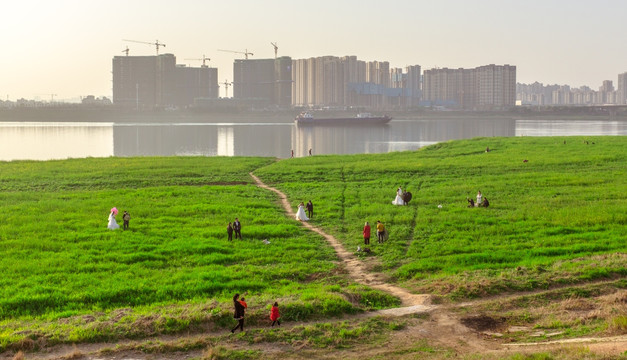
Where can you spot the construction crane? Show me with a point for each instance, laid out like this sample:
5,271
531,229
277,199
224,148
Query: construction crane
126,51
51,96
226,84
203,60
276,49
245,52
156,43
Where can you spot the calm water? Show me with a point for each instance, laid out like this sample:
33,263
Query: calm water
60,140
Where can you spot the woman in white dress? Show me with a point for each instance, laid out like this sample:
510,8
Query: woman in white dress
399,197
112,223
300,214
479,197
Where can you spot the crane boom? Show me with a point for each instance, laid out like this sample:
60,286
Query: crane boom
204,59
245,53
156,43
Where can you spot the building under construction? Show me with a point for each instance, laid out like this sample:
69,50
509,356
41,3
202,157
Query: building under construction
269,80
149,82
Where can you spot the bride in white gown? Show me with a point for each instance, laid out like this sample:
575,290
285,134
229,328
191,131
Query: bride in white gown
399,197
112,223
300,214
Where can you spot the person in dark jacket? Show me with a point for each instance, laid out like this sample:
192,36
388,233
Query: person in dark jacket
309,209
229,231
239,313
237,226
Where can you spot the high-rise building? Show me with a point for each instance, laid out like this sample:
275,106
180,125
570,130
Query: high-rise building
485,87
337,82
621,91
264,79
147,82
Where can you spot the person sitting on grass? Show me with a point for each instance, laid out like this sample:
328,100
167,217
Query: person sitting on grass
485,203
471,202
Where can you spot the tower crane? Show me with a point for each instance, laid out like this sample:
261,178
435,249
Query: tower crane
226,84
204,59
156,43
245,52
126,51
276,49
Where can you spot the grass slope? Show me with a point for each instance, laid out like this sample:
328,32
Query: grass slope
60,263
567,202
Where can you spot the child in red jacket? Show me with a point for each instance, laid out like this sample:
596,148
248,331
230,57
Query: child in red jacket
274,314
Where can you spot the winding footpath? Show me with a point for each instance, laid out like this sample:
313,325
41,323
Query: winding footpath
412,303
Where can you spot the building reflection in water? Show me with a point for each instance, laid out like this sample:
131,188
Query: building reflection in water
226,142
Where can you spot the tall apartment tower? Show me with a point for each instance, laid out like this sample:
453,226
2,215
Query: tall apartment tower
621,91
486,87
267,79
147,82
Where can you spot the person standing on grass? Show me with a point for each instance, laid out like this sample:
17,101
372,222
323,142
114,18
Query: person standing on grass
479,196
229,231
112,225
310,209
126,218
367,234
274,314
380,231
240,310
237,227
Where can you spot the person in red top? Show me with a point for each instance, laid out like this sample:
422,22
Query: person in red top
274,314
243,302
367,234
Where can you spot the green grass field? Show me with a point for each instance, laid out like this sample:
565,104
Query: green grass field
548,216
557,219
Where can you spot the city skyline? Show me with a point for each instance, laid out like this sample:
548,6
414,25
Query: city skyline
66,47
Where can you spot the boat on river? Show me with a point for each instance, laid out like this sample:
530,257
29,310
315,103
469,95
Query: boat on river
307,118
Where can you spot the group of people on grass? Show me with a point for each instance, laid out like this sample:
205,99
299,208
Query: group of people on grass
300,214
234,227
240,312
381,233
113,225
481,201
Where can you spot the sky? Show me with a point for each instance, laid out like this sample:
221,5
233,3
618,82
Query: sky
66,47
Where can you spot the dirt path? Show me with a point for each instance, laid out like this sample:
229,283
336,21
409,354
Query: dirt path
356,268
443,327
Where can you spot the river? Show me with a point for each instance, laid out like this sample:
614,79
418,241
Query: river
61,140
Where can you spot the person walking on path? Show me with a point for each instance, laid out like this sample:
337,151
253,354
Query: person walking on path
229,231
310,209
126,218
238,314
274,314
380,231
237,227
367,234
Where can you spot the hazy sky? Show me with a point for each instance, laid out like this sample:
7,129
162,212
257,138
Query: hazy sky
65,47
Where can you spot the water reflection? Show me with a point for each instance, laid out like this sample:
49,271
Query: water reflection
46,141
42,141
398,135
569,128
215,139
